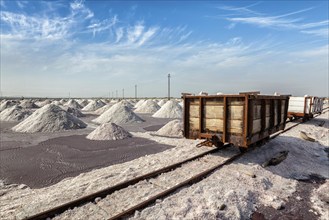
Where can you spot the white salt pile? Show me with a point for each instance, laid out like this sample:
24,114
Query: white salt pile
83,102
181,103
6,104
128,104
169,110
103,109
56,103
73,111
119,114
73,104
49,118
43,103
93,105
14,113
173,128
162,102
149,106
28,104
139,103
109,131
62,101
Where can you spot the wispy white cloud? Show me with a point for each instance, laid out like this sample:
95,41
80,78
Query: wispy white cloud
283,21
148,35
104,25
323,32
241,10
118,34
21,4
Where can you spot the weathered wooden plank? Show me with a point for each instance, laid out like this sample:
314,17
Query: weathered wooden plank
257,111
267,122
235,112
268,110
215,125
235,126
213,112
194,111
194,123
257,126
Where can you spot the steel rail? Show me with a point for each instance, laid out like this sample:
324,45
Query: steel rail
103,193
191,180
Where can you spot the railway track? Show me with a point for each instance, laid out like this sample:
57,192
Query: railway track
151,187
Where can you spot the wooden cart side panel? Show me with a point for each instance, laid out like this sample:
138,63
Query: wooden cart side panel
235,115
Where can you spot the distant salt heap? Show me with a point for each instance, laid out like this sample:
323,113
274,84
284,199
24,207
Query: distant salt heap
73,104
109,131
103,109
49,118
128,104
83,102
119,114
56,103
173,128
43,103
162,102
6,104
93,105
73,111
139,103
169,110
149,106
28,104
14,113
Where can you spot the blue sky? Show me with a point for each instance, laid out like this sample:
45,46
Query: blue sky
93,48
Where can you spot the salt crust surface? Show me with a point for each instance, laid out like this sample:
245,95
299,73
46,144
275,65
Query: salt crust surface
109,131
173,129
49,118
169,110
14,113
149,106
118,114
232,185
320,200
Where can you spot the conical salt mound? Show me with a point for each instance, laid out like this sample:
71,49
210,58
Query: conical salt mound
149,106
169,110
127,103
14,113
28,104
73,111
119,114
43,103
93,105
6,104
139,103
162,102
57,103
103,109
83,102
73,104
109,131
49,118
173,128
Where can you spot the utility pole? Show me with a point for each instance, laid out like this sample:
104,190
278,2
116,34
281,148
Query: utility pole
123,93
169,86
135,91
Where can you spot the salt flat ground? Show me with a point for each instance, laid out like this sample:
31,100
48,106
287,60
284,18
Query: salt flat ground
296,187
